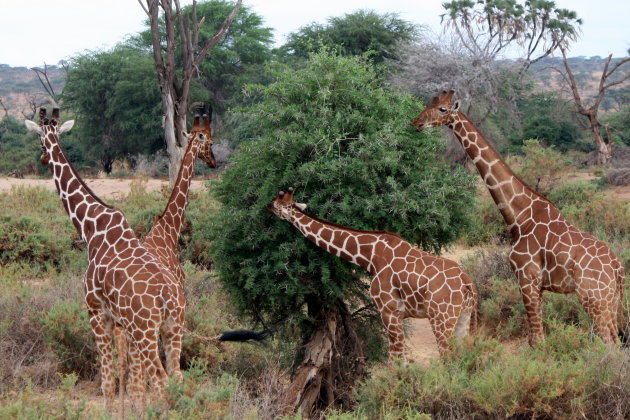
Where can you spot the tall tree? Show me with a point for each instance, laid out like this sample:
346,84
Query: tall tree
117,102
175,74
488,28
333,131
607,80
353,34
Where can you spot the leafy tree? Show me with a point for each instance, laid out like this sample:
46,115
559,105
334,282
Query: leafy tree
353,34
117,103
177,54
236,59
547,117
619,124
344,141
19,152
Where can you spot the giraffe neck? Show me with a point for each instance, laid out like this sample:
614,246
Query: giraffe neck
81,204
169,224
352,245
510,194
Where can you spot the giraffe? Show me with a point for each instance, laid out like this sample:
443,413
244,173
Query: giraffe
548,253
162,240
124,284
407,282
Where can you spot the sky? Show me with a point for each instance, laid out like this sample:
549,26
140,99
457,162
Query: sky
35,32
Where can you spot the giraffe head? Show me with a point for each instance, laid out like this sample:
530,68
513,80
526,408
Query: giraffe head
46,128
441,111
202,133
283,205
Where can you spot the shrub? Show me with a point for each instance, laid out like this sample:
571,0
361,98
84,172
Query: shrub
617,177
542,167
66,329
34,229
562,378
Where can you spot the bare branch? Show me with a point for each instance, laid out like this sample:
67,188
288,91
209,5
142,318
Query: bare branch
222,30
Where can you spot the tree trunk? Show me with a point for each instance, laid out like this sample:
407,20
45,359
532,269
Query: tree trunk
176,143
604,150
333,363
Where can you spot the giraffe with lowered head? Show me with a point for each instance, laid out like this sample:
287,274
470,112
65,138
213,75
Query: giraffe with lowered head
407,282
125,285
548,253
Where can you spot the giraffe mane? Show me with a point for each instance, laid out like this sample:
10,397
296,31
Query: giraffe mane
374,232
525,184
80,179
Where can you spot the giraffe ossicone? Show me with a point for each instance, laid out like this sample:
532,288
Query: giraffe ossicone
548,253
407,282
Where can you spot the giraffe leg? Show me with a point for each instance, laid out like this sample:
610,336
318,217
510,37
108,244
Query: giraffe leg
603,318
136,385
149,356
172,339
443,317
122,350
394,327
102,328
531,292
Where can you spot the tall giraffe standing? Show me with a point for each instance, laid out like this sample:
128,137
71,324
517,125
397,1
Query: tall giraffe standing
407,282
124,284
548,253
163,238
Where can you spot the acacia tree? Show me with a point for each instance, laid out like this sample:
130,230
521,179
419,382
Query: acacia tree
343,140
606,81
178,36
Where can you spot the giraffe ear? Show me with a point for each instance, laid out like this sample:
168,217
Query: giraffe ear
300,206
456,106
185,133
33,126
67,126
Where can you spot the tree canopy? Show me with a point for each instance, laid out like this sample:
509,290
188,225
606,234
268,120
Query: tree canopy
332,131
117,103
353,34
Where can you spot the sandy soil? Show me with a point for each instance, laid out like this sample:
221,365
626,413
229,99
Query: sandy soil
110,188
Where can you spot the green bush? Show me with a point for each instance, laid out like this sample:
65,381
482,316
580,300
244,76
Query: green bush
66,329
35,230
565,377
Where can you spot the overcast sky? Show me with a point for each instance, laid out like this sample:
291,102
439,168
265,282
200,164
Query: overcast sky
34,32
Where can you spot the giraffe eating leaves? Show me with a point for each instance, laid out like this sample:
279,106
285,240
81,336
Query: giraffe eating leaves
407,282
548,253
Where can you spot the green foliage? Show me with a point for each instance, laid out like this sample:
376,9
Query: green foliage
117,101
593,211
332,131
35,229
488,226
565,377
19,151
66,329
550,119
619,123
353,34
542,167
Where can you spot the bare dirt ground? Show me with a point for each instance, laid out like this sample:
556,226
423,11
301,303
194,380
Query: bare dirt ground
109,188
420,342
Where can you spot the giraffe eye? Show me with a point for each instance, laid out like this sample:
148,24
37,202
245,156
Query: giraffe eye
442,109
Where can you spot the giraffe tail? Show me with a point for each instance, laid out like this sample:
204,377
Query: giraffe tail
236,335
474,319
624,319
